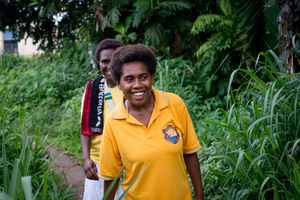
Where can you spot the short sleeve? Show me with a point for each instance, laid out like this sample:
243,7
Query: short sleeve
190,139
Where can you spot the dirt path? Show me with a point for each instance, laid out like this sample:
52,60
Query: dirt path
73,171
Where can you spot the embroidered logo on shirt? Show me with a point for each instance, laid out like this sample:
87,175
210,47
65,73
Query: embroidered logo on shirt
171,134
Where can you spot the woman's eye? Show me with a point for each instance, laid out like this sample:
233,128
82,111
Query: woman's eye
144,77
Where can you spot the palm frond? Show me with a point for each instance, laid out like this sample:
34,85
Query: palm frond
119,28
165,13
259,22
142,3
119,37
112,17
226,6
272,25
217,42
51,9
138,15
175,5
153,33
128,22
205,22
42,12
132,36
118,3
180,24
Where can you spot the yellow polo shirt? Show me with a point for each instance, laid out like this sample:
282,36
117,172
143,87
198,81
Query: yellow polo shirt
116,94
155,151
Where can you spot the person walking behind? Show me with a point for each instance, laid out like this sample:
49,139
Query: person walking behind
150,133
98,100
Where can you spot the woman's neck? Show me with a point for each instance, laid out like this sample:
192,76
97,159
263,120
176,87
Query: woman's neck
110,83
142,113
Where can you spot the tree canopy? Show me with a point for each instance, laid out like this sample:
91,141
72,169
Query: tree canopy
163,24
211,29
38,19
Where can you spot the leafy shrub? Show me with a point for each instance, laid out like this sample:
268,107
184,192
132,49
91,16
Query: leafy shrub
8,61
48,87
181,77
68,126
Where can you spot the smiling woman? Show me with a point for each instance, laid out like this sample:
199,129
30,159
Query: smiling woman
149,132
135,83
99,99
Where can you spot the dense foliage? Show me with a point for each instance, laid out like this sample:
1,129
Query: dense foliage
255,150
250,147
245,108
51,87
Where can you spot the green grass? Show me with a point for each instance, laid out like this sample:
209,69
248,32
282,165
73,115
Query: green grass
257,138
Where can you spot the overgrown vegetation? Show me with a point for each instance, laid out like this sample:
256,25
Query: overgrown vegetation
25,162
254,152
250,137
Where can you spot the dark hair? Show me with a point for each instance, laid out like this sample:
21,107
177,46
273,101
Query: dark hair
132,53
106,44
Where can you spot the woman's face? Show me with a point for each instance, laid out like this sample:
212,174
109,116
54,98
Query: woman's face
136,84
105,58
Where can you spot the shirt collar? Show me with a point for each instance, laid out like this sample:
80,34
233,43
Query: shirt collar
161,101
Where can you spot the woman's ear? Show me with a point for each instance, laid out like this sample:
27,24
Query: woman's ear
119,86
152,79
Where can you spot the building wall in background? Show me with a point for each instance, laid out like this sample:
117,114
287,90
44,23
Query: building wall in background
1,42
28,48
8,43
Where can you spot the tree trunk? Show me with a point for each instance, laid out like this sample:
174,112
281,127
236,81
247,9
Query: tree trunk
288,26
176,46
100,14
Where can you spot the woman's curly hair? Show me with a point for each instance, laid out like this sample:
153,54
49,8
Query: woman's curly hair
132,53
106,44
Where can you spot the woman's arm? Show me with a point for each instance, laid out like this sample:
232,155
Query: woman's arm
113,191
89,166
193,167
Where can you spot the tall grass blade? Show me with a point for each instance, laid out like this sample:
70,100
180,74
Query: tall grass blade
54,185
45,186
26,182
161,80
260,84
24,148
238,163
295,146
5,167
262,187
256,164
15,180
113,184
227,143
226,195
167,76
4,196
182,78
126,191
296,103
